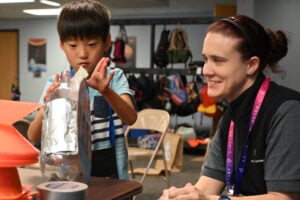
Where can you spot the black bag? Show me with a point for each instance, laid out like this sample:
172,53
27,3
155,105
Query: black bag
161,54
138,89
144,88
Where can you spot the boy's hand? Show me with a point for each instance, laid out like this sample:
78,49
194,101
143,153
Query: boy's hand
52,87
99,79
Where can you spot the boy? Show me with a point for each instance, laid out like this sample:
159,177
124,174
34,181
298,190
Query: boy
83,28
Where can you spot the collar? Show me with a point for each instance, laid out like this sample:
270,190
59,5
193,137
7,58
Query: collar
240,109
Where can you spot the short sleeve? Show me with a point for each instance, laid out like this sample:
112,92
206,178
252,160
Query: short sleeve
214,166
282,166
120,83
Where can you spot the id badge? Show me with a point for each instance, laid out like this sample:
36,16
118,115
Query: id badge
230,190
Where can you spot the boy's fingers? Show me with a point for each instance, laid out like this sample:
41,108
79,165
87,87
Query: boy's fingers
103,62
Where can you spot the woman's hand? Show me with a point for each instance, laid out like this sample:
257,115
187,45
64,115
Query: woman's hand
188,192
99,79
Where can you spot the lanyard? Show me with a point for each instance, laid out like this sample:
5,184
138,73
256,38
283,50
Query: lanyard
233,186
111,128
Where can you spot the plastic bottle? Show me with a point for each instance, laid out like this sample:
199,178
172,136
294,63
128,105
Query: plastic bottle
59,158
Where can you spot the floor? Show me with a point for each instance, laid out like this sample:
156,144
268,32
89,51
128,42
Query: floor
153,186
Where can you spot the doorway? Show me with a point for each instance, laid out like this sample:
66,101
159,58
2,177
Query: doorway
9,56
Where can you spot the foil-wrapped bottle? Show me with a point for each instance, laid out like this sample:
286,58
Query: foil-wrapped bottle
59,159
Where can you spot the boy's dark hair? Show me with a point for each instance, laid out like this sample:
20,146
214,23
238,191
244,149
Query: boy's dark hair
83,19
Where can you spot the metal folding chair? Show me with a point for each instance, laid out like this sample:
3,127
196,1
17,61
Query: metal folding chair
156,120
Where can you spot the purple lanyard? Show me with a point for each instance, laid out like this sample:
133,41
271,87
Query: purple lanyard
233,186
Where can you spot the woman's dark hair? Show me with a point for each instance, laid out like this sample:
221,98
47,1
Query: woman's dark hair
269,46
83,19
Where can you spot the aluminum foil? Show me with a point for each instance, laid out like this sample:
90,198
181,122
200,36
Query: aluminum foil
60,127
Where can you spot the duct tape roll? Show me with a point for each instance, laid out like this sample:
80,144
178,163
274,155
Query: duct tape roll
58,190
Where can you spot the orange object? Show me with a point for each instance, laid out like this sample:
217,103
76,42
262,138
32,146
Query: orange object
12,111
205,99
195,142
10,185
15,150
208,105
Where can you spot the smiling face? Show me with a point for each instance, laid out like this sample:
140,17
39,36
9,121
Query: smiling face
84,52
226,73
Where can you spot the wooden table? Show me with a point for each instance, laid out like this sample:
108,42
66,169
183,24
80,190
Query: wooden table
98,187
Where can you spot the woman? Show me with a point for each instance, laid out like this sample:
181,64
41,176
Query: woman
254,150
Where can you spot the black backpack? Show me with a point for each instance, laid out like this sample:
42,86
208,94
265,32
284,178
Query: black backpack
161,53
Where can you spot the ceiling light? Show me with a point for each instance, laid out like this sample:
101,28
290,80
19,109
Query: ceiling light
50,3
54,11
16,1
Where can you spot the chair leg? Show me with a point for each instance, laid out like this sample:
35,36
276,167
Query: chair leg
167,175
131,169
145,173
147,169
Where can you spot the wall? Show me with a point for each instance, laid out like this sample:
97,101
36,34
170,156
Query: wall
31,87
283,15
279,15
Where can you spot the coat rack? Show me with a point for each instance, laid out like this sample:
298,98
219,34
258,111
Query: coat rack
162,21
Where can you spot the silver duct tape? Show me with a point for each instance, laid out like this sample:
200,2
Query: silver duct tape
62,190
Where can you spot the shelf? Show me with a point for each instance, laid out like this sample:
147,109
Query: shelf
158,71
164,21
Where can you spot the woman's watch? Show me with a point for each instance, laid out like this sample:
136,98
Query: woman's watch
224,197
